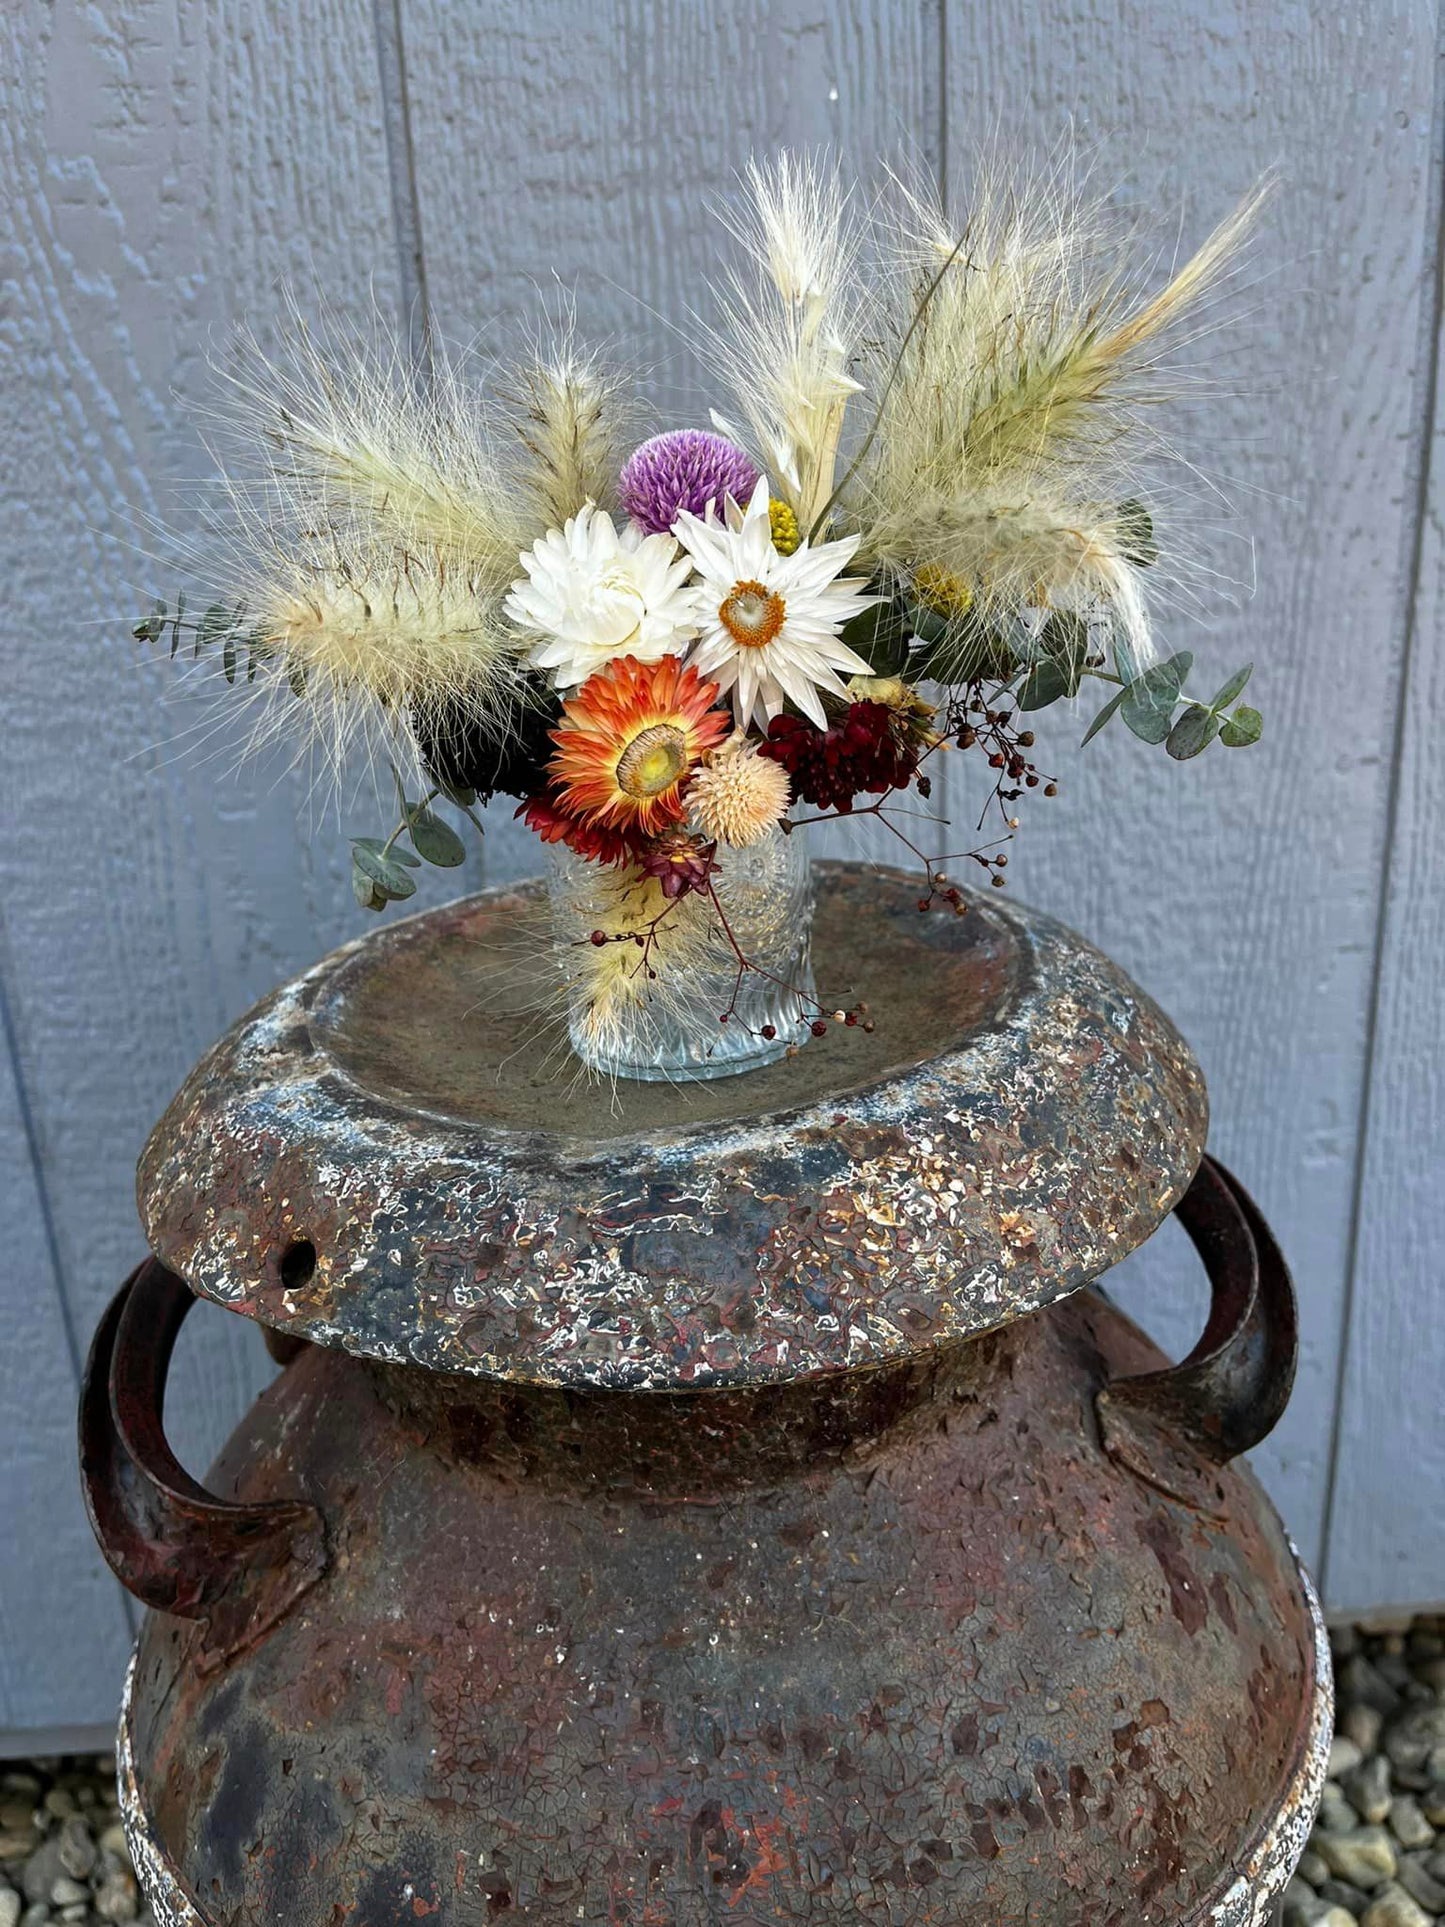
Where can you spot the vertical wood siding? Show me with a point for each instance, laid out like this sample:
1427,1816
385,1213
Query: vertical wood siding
166,169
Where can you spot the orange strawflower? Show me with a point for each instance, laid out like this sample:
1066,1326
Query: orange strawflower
631,739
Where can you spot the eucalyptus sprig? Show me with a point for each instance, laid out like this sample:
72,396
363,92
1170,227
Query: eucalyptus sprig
380,871
1150,705
222,623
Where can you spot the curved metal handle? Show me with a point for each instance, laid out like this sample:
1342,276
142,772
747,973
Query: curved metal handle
1171,1427
177,1547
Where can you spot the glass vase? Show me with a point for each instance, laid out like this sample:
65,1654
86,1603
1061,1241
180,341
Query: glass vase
681,990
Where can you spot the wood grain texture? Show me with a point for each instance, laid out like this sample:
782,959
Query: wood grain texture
52,1576
1243,890
1386,1547
162,168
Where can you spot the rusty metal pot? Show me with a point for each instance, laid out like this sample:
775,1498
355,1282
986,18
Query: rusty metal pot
733,1508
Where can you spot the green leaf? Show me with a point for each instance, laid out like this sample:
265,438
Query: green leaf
1104,715
149,628
880,636
928,625
1242,728
1136,534
1233,688
394,853
228,659
1195,730
384,869
1065,638
1150,700
1044,684
367,893
296,676
218,621
457,793
437,841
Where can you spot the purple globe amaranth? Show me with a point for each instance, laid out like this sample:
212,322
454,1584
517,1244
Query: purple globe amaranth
684,469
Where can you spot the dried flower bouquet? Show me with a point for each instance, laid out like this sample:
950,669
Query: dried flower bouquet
923,528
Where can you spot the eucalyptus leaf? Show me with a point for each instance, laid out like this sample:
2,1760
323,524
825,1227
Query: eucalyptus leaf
880,635
395,853
1045,683
1195,730
1104,716
928,625
1151,699
1136,534
367,894
1234,687
436,840
217,621
1064,639
1242,728
383,868
150,627
958,649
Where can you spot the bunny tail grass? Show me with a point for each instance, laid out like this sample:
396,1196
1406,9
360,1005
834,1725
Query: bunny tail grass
792,321
1013,419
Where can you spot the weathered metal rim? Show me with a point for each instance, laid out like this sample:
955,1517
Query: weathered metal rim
1243,1898
536,1258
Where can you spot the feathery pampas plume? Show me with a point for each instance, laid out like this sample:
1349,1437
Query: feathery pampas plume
1010,418
372,533
571,429
792,323
384,644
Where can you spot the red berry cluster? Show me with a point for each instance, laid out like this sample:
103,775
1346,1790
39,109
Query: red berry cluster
864,752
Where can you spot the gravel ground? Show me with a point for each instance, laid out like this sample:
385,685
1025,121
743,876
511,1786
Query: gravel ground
62,1851
1377,1854
1376,1857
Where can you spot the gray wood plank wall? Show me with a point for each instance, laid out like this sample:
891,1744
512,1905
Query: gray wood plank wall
166,168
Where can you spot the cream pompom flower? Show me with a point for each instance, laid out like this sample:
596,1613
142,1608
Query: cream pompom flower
593,594
737,796
770,622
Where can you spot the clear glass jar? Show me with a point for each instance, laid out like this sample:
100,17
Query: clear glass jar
662,996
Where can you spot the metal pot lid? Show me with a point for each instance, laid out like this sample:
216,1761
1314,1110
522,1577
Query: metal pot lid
395,1154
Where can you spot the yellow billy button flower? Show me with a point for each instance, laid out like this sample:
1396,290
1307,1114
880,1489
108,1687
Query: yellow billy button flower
787,536
942,591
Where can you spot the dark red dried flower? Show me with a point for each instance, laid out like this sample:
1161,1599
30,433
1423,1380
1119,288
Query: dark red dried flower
598,844
680,860
867,751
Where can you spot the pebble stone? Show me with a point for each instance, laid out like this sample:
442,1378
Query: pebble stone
1393,1907
69,1866
1377,1855
1408,1823
1367,1789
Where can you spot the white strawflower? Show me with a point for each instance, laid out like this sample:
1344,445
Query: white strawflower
592,595
770,622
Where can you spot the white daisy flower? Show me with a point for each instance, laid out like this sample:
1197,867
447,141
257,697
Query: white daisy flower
770,622
592,595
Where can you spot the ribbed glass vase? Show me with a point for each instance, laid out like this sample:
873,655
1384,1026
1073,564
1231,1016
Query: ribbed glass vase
655,990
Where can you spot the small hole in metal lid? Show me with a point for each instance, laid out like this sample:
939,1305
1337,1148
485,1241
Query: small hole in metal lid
298,1263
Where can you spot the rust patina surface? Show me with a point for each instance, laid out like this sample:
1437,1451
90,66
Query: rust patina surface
725,1506
389,1155
907,1646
